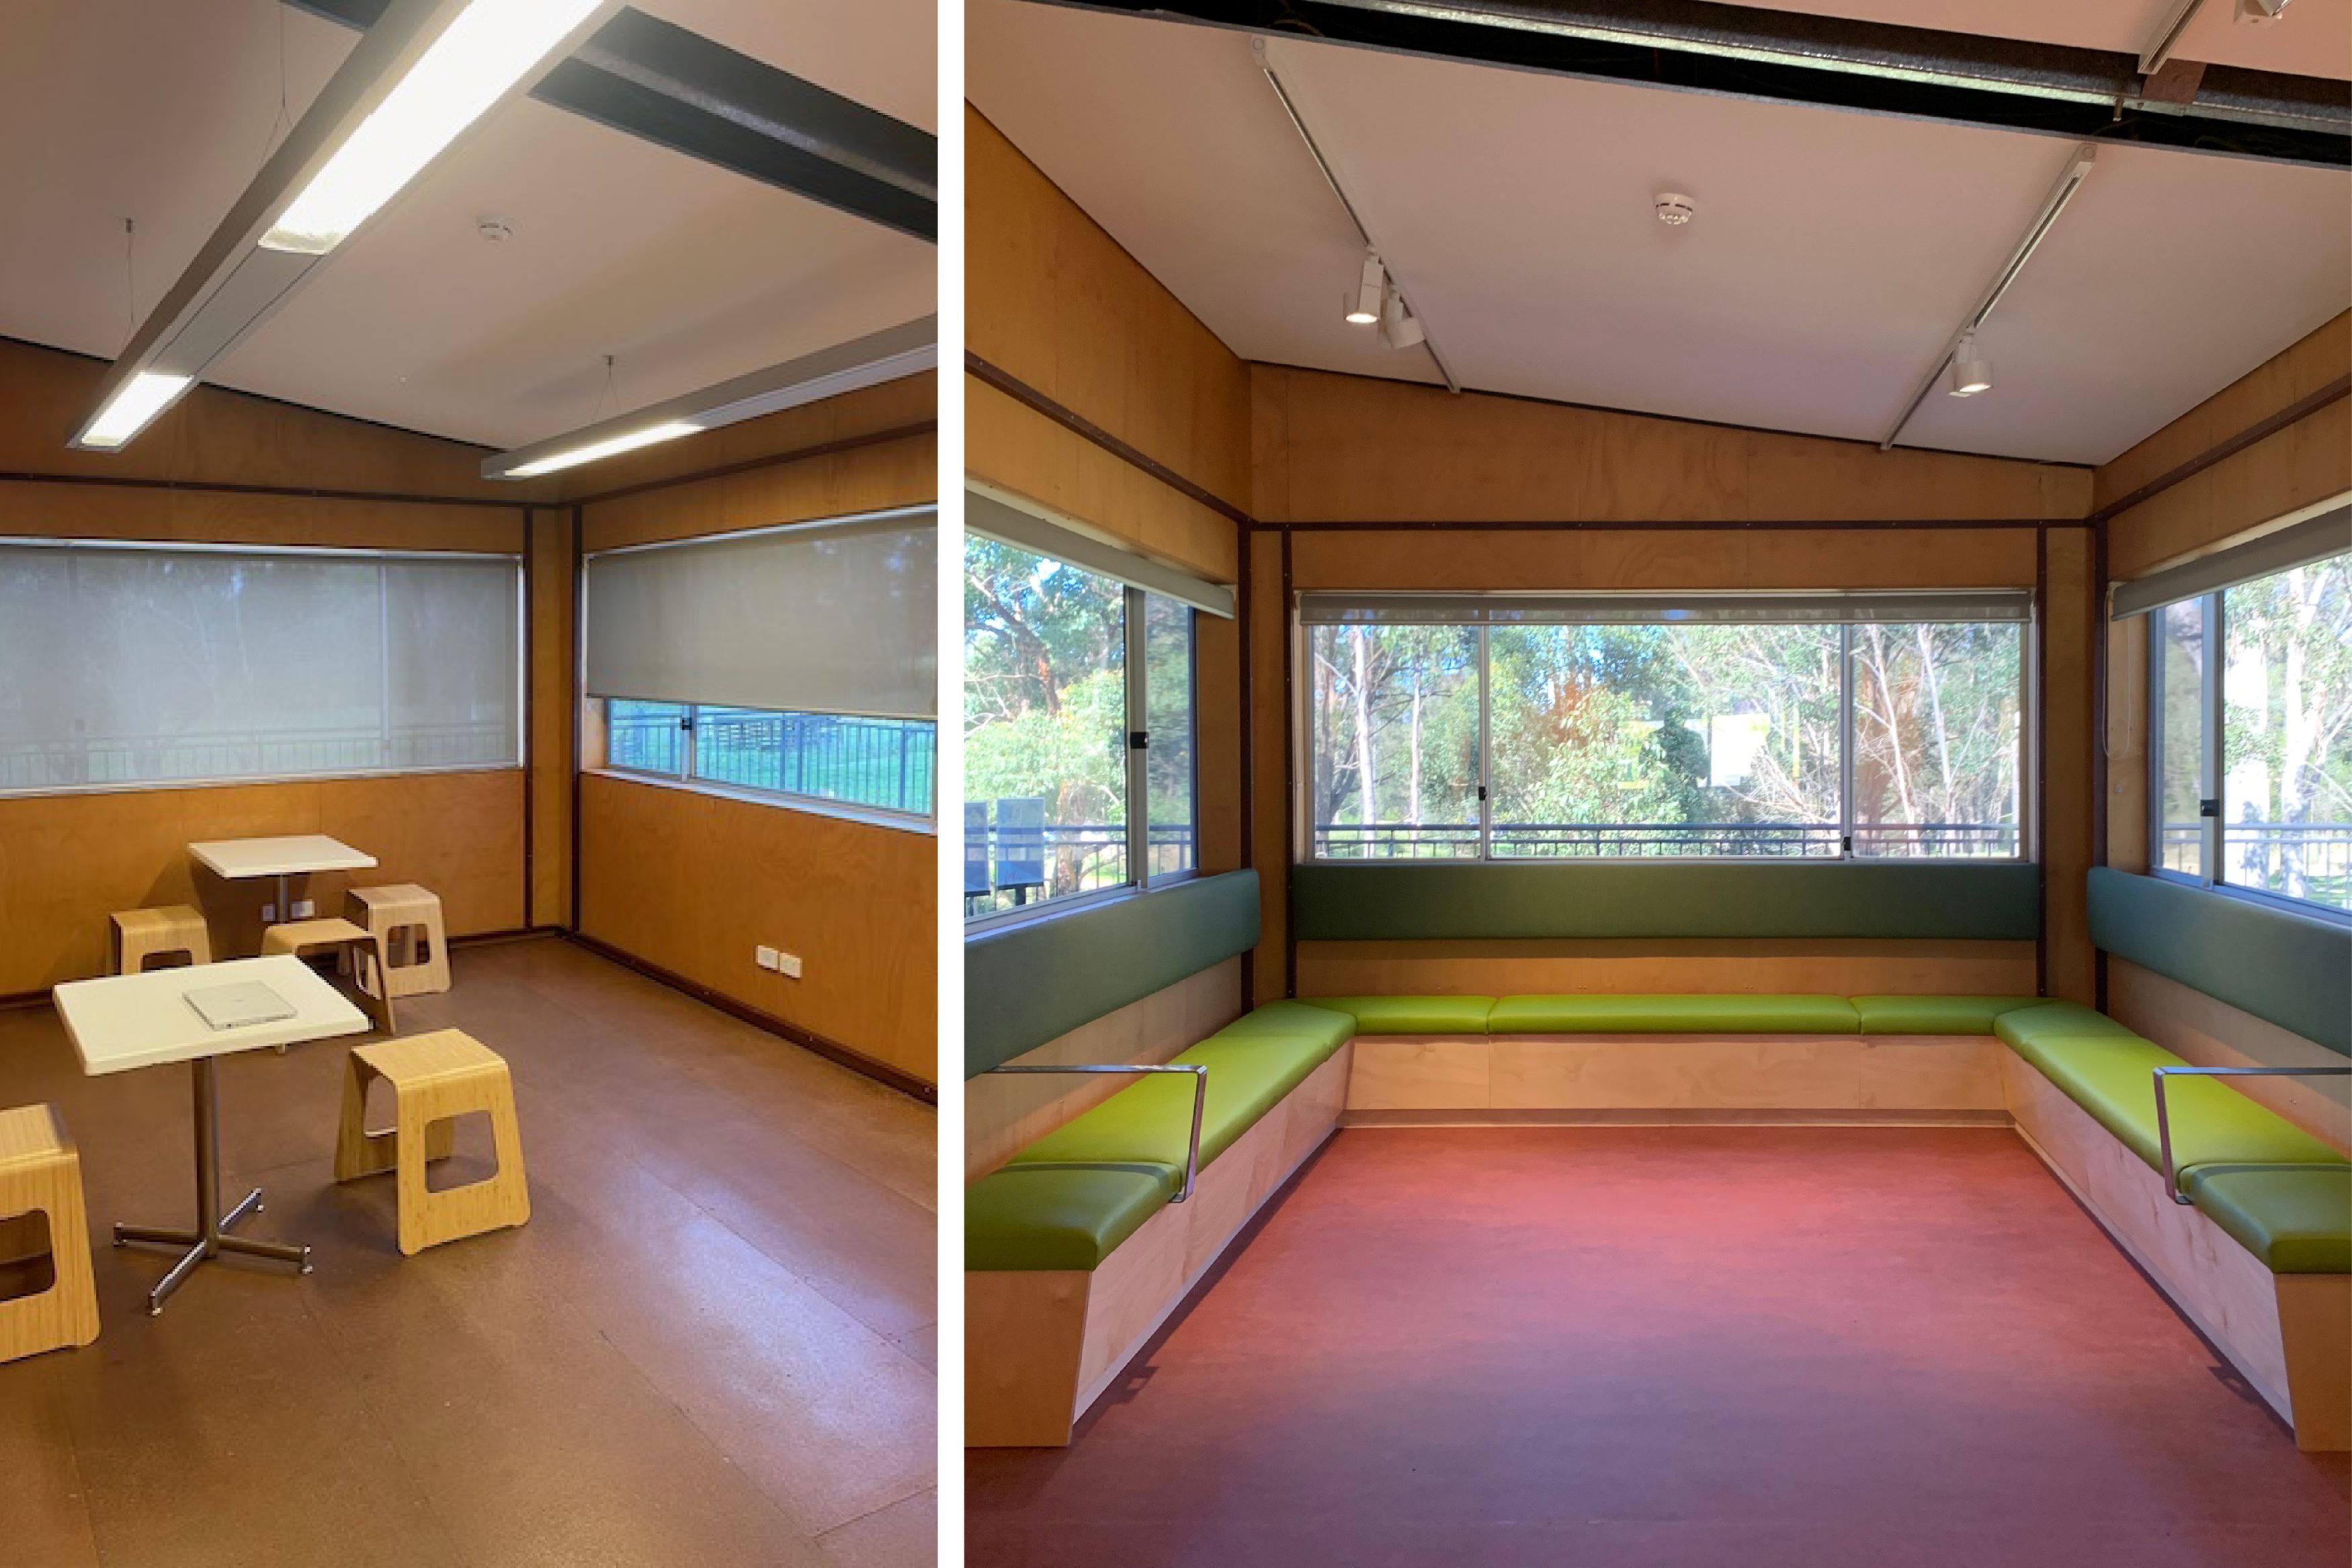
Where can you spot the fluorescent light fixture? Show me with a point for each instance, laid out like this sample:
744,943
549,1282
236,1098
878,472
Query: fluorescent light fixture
491,45
1374,284
878,357
421,73
612,445
126,414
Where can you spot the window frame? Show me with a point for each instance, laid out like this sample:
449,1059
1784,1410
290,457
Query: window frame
788,799
518,760
2212,767
1136,771
2029,839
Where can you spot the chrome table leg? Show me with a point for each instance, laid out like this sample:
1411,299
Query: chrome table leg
211,1239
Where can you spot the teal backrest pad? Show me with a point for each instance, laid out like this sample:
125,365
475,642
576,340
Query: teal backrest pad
2293,970
1031,982
1838,899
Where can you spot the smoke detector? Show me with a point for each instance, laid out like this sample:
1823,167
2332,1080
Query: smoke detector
1675,209
497,231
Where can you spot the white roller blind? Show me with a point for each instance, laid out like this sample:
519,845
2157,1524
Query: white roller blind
824,618
152,664
2283,549
1026,525
1970,606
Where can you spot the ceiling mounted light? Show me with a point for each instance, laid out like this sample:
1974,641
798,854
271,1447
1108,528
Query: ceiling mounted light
1675,209
418,77
136,401
1400,327
878,357
1369,292
1971,373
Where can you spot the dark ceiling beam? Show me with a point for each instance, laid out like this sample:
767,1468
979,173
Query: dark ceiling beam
1742,51
658,82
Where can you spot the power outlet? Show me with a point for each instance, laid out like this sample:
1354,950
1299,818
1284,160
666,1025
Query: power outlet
767,957
304,909
787,965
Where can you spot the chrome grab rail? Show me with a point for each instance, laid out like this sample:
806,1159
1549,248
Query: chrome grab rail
1200,1103
2164,1118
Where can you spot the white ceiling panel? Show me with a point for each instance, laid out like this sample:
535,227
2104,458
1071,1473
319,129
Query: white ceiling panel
686,274
1171,138
1833,255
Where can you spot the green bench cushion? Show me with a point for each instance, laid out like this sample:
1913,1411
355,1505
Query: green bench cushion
1936,1015
1042,1216
1293,1018
1413,1015
1151,1121
2297,1220
2113,1078
1673,1015
2057,1020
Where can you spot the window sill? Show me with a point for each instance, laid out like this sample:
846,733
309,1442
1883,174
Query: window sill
806,805
1071,903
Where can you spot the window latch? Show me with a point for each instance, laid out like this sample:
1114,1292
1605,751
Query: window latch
1482,792
1846,844
2208,807
686,722
1137,739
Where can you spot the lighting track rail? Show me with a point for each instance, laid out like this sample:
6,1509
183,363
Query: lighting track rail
653,80
1264,55
1751,52
2070,180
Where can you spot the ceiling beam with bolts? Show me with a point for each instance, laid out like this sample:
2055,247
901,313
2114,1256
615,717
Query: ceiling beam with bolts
1828,62
656,80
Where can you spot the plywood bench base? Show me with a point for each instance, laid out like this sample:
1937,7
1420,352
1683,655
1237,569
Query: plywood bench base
2289,1334
1510,1079
1040,1348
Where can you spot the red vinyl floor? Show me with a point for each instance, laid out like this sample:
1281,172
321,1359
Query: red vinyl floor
1666,1347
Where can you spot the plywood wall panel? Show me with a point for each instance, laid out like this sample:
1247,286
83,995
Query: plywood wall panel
1054,301
217,437
1018,449
66,861
691,882
2281,381
2307,462
900,473
2068,617
553,712
1270,799
1336,447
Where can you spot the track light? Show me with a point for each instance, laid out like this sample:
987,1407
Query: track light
1369,292
2261,13
1400,328
1971,373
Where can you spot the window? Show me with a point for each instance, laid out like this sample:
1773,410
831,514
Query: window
1062,667
879,764
1526,729
2251,760
134,665
796,662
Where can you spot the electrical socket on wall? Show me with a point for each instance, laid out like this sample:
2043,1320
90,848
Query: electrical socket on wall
787,965
766,957
304,909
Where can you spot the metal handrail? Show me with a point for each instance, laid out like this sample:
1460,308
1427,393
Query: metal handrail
1199,1101
2164,1117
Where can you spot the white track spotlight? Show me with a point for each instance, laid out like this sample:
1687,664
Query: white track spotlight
1400,327
2261,13
1971,373
1369,292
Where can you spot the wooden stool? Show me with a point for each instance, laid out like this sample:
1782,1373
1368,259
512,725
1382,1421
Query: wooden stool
408,918
40,1171
144,934
433,1077
361,952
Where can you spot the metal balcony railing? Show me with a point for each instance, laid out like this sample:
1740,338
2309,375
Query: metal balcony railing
104,762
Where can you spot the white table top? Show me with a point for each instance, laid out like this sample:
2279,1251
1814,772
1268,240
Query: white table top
144,1021
238,858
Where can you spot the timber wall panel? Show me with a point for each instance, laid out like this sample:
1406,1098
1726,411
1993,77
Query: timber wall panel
552,715
1664,964
68,861
691,881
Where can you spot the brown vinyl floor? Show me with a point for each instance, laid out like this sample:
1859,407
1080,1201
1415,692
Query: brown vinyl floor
712,1344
